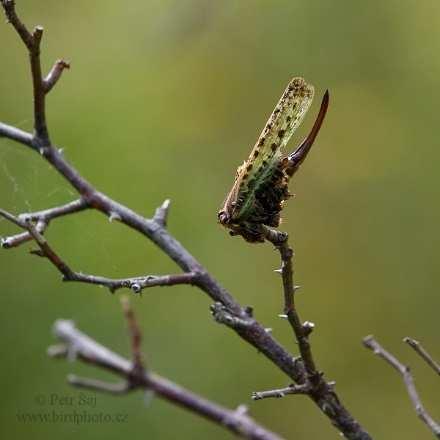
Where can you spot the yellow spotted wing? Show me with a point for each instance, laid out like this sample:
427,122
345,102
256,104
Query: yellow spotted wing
267,152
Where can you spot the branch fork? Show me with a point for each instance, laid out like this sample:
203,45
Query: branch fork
35,232
42,220
137,377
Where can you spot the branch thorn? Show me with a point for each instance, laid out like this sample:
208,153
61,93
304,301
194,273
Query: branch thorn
161,213
114,216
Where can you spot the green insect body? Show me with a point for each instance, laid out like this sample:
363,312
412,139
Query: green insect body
261,183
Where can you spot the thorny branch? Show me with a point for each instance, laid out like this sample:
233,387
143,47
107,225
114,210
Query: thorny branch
312,383
78,345
226,309
408,380
136,284
301,331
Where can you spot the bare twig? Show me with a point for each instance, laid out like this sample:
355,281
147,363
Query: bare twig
57,211
15,134
252,332
42,219
281,392
55,74
45,249
12,218
136,284
91,352
32,42
408,380
312,382
421,351
25,35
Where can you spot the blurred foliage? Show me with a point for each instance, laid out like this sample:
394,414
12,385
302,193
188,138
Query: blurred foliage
165,99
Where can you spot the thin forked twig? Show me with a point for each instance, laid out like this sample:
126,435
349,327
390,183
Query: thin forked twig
42,219
408,380
136,284
17,135
89,351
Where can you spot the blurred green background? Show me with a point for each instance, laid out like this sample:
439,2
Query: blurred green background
164,100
